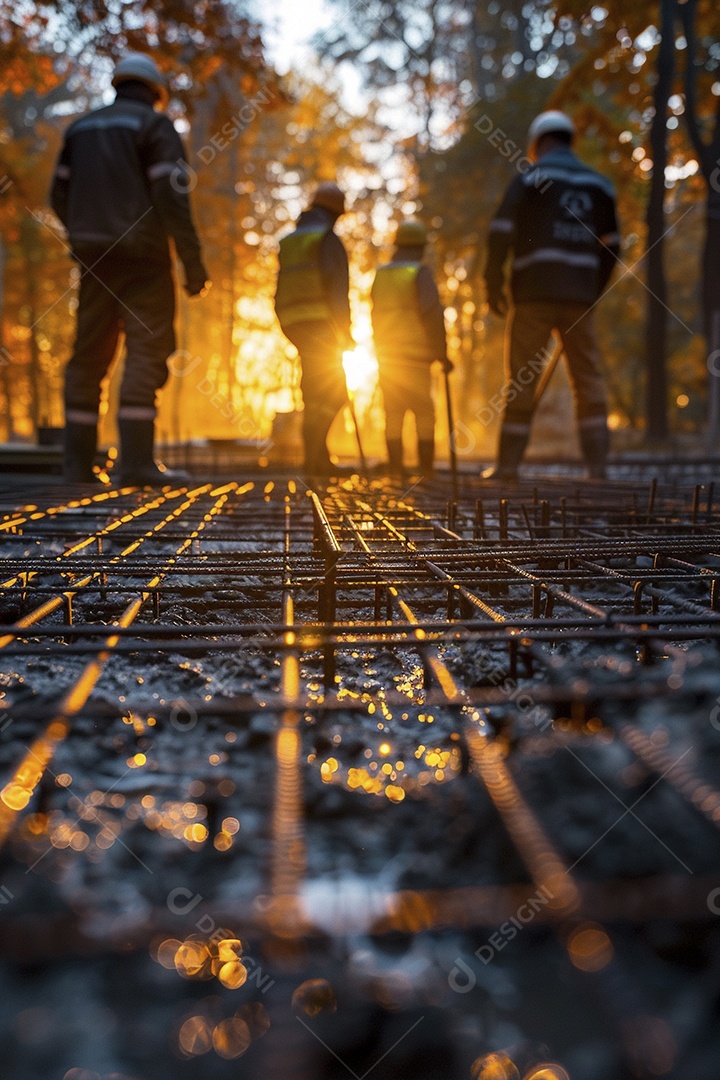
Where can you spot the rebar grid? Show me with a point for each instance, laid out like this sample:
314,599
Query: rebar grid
522,623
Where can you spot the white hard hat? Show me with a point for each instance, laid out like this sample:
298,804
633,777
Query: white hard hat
139,66
551,121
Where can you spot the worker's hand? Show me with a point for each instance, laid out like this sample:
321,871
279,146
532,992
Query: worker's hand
447,365
497,300
197,283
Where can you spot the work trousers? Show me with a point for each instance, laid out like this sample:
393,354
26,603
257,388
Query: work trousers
528,338
322,382
405,386
120,295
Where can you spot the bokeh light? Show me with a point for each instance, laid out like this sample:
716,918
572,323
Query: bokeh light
231,1038
589,948
494,1067
314,996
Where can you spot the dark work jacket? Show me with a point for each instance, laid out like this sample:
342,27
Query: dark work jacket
120,182
559,221
333,265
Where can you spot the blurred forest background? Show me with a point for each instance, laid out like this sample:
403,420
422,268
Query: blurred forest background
399,103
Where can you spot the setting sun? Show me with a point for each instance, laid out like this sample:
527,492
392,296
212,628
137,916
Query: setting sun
360,368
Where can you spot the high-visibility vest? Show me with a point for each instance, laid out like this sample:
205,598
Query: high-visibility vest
397,327
300,294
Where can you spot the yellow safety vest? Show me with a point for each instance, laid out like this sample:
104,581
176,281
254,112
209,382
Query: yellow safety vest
300,294
397,328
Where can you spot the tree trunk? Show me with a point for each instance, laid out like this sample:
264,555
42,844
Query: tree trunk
31,257
711,315
709,157
4,357
656,312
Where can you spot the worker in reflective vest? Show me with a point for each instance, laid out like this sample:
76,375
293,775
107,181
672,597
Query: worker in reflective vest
312,305
559,221
409,332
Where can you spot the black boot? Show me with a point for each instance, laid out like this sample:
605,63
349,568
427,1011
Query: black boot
426,454
137,464
80,448
395,456
595,444
511,448
315,429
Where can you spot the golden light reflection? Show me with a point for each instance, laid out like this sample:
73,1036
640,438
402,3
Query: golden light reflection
233,975
166,953
540,856
196,1036
191,959
231,1038
228,950
314,996
494,1067
200,958
328,768
288,852
394,781
547,1072
181,820
412,911
17,793
197,833
590,948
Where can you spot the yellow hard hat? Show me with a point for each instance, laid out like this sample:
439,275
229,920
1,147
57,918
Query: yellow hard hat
328,195
411,233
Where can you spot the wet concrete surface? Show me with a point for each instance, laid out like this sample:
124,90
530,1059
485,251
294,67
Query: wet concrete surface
208,874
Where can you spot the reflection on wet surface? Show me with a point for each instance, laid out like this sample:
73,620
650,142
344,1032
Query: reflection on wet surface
325,865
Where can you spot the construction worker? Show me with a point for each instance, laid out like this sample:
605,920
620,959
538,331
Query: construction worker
313,308
409,332
120,191
558,218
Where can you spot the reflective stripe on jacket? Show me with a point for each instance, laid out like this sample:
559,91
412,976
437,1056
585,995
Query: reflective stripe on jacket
300,292
558,221
398,327
115,184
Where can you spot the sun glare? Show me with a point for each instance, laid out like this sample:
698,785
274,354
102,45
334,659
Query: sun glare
360,368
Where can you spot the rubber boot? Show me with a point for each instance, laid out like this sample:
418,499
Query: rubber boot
395,456
80,449
137,464
595,444
511,448
315,429
426,454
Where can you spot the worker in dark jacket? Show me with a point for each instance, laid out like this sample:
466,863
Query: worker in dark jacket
313,308
409,333
560,223
120,192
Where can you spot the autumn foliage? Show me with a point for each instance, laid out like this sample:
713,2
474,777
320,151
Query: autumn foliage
395,103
